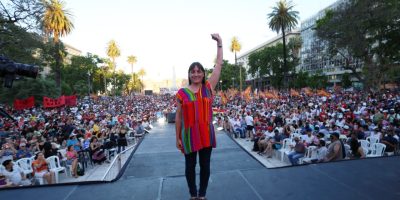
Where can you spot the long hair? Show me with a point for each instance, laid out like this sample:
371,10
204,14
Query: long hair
192,66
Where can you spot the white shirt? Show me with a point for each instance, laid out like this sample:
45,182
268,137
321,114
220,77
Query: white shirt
249,120
14,176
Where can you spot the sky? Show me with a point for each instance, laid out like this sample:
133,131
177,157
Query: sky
167,34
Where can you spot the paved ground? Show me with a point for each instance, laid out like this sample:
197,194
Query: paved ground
156,171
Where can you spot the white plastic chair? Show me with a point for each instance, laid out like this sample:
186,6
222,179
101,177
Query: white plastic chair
285,147
310,154
372,140
377,150
26,165
347,149
54,165
364,144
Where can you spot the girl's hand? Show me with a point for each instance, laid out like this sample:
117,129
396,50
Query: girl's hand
216,37
179,145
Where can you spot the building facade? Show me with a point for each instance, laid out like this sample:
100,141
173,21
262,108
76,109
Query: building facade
313,56
243,60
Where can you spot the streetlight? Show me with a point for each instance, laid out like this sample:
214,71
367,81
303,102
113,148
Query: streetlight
233,82
220,85
88,73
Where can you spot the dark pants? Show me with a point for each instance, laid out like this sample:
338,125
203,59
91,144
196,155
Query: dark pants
190,171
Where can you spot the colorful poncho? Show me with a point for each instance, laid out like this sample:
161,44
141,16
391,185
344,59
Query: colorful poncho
197,128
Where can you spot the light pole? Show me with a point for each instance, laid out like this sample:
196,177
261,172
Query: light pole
88,73
233,82
220,85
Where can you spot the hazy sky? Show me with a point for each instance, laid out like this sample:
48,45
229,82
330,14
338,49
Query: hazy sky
173,33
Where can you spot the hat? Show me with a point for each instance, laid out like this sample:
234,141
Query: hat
346,127
336,134
22,145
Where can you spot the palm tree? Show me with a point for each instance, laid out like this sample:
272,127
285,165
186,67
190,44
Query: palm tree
282,19
56,22
132,60
113,52
141,73
236,47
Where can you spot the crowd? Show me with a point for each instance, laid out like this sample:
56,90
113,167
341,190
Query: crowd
93,126
314,128
305,128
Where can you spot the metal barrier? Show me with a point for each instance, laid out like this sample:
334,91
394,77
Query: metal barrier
116,165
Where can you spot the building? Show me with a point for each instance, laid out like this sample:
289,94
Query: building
313,58
71,51
243,59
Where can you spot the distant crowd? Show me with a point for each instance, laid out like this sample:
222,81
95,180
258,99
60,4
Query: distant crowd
314,128
92,126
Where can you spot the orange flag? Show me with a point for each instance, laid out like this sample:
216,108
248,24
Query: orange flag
323,93
294,93
246,93
224,100
308,91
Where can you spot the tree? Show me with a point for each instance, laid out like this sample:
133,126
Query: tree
368,40
236,47
268,62
132,60
23,13
57,23
141,73
113,52
346,81
282,19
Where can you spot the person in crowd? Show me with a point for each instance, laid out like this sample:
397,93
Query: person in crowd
122,142
72,159
390,141
98,155
41,170
335,149
4,181
15,174
355,148
249,125
74,142
273,143
198,122
23,152
237,128
298,151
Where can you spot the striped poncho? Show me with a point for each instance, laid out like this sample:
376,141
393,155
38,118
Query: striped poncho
197,128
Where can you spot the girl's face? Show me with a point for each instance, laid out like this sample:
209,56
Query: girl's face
196,75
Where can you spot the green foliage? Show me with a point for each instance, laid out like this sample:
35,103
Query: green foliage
346,81
29,87
268,62
229,75
317,81
367,31
301,80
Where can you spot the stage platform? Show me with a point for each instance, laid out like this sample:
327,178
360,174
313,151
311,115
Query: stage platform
156,171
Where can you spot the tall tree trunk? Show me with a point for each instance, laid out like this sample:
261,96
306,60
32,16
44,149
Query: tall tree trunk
284,58
240,74
58,67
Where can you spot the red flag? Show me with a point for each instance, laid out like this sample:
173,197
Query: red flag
70,100
53,103
20,104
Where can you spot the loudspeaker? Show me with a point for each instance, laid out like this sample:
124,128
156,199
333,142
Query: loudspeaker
171,117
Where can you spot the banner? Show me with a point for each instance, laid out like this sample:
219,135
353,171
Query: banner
70,100
53,103
20,104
